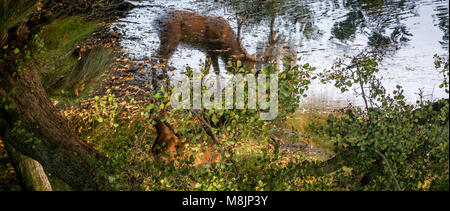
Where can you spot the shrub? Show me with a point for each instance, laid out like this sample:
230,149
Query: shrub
390,144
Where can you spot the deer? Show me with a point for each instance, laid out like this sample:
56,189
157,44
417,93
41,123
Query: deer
216,38
213,35
168,147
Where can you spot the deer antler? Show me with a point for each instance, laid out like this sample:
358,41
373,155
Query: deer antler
240,22
273,39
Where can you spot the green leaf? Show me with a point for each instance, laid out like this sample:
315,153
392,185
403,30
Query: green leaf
150,107
100,119
238,63
197,185
111,178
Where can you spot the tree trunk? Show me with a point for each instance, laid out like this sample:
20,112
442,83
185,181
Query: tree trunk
36,129
30,171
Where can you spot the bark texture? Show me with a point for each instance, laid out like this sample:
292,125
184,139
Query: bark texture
36,129
33,126
30,171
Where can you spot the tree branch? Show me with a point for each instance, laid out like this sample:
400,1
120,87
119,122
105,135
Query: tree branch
390,170
209,131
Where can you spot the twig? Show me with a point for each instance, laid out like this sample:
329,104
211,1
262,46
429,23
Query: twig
390,170
124,21
210,132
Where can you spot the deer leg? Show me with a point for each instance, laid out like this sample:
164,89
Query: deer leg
215,63
207,63
166,49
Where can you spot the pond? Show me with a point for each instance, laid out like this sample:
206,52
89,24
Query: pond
318,31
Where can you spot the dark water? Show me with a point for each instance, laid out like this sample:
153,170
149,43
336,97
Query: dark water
319,31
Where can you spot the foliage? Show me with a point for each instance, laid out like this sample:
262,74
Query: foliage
376,146
121,129
385,145
390,144
440,62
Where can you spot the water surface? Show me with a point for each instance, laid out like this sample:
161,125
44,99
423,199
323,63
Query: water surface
318,31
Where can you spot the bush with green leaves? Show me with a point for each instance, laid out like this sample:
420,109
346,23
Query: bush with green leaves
230,128
128,140
388,144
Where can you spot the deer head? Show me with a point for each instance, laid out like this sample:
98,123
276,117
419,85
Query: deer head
249,60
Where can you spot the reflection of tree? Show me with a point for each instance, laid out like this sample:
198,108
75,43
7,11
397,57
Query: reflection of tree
346,29
300,12
398,37
381,20
442,14
374,17
253,12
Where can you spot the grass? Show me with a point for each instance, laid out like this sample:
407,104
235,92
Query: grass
84,75
65,76
14,11
305,123
63,34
